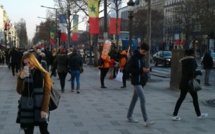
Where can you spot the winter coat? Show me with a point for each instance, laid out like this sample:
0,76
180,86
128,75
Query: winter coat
189,72
122,63
135,68
75,62
35,97
207,61
61,63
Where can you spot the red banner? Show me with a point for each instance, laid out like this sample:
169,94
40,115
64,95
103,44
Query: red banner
112,27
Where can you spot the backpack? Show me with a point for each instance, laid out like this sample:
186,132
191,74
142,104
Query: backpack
100,61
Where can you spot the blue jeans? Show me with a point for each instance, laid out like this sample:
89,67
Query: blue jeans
138,92
75,74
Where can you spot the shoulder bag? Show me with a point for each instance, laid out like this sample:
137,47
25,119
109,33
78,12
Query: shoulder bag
54,99
194,85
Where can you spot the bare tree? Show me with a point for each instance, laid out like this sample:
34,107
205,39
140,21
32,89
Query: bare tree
22,33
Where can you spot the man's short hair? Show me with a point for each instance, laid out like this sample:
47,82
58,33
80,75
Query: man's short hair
144,46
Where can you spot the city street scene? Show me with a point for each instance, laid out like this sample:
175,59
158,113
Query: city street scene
107,67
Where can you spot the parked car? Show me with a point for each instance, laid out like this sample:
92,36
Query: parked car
213,56
162,57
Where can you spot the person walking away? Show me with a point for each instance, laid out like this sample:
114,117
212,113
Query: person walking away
14,60
189,72
123,67
61,63
48,54
208,65
75,63
34,86
137,68
104,70
43,61
53,70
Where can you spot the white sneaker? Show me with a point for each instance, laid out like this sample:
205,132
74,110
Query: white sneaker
176,118
148,123
132,120
203,115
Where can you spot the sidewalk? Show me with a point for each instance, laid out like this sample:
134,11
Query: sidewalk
103,111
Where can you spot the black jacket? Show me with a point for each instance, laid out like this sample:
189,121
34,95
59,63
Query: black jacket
207,61
61,63
75,62
135,68
189,72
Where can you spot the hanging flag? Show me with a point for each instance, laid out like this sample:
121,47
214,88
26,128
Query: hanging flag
52,40
93,16
75,28
183,37
177,40
42,43
62,25
113,19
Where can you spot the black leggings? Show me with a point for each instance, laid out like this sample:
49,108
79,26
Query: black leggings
124,77
62,77
181,99
43,129
103,72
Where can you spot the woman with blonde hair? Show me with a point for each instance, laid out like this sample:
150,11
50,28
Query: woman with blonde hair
34,86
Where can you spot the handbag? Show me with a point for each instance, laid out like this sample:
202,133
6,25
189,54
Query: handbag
194,85
54,99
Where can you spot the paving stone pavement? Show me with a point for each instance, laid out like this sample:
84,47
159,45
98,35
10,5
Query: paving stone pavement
103,111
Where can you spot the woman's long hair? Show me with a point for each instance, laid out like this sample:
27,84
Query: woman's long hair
33,60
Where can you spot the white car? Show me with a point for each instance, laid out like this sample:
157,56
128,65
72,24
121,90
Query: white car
213,56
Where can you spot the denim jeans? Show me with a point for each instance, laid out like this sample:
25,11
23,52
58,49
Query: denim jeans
75,74
138,92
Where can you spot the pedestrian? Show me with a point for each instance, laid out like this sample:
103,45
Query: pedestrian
208,65
104,70
61,63
54,55
14,57
43,61
34,86
123,66
137,68
75,63
189,72
111,69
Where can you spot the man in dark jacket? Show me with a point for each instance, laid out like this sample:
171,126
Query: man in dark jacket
137,68
208,65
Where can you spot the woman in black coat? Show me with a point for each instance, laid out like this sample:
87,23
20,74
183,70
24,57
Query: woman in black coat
189,72
61,63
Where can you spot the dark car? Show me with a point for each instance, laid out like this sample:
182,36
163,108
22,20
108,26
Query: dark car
162,57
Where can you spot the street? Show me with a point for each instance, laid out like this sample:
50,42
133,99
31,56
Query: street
103,111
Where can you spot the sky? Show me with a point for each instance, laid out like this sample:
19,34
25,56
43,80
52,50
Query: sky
29,10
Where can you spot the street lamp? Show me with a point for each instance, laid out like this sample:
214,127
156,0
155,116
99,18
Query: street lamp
130,5
55,22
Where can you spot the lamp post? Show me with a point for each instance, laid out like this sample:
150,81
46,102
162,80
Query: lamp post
56,31
130,5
